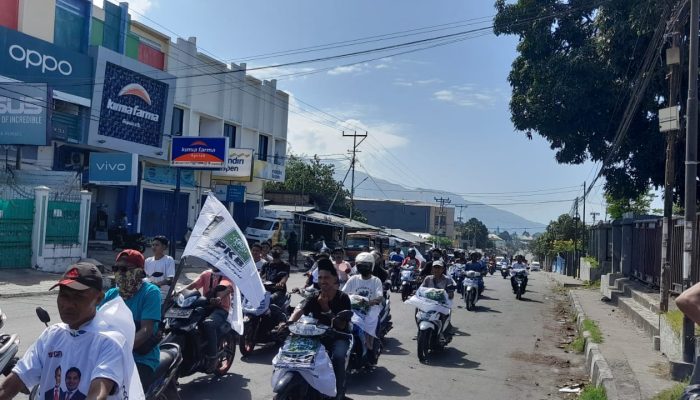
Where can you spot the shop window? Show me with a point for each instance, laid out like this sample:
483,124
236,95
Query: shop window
178,121
230,133
263,146
66,121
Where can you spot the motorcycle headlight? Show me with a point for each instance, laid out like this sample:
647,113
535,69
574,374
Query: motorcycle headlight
185,302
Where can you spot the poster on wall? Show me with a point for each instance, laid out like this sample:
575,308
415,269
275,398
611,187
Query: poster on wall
23,112
238,167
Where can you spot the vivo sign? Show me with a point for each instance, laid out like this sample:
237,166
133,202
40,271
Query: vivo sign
113,168
33,59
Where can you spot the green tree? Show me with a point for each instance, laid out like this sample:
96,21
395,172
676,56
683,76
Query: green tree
316,180
576,65
639,205
560,235
475,230
505,236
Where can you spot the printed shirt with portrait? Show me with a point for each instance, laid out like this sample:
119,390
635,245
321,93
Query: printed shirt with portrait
94,354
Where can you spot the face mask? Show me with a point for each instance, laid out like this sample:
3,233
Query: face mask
364,269
129,281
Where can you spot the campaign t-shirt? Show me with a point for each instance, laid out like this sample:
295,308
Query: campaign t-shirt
65,361
144,306
370,288
166,266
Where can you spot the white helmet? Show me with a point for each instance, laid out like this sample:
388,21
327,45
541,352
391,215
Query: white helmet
364,258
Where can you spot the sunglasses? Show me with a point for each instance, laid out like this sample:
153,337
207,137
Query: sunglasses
120,268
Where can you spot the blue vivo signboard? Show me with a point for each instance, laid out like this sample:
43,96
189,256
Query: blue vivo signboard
23,114
113,168
28,59
235,193
198,152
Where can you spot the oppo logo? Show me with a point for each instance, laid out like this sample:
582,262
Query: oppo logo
105,166
33,58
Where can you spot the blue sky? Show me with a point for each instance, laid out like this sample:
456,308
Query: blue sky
441,113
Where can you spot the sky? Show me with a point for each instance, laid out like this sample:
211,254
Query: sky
437,118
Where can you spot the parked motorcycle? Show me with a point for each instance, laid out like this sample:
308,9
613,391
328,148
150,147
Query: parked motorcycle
183,327
122,239
408,281
259,322
394,276
471,289
9,345
519,277
302,367
433,318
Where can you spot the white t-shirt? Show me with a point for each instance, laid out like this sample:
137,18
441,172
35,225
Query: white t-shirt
85,354
259,264
166,265
371,288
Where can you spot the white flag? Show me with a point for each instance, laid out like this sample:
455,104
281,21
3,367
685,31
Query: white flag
217,240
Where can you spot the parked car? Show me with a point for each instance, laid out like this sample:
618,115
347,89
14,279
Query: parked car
535,266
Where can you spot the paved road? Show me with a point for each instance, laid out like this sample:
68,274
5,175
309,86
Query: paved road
506,349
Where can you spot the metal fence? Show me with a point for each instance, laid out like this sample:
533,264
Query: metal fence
63,222
16,223
646,251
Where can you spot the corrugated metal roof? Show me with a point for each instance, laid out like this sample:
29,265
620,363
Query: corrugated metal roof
288,208
406,236
334,219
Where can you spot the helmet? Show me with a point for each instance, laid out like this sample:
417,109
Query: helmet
364,262
412,252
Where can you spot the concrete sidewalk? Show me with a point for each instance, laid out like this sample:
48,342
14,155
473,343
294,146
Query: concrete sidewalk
638,371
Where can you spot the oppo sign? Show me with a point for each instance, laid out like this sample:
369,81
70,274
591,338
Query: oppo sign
34,59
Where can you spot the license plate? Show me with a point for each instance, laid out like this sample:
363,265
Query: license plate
178,313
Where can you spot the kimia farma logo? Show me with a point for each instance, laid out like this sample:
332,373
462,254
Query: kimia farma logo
133,90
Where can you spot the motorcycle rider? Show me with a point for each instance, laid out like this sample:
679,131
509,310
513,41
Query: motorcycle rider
329,302
378,269
277,271
396,255
521,265
371,287
475,265
221,302
343,267
436,255
439,280
143,299
411,259
312,274
256,250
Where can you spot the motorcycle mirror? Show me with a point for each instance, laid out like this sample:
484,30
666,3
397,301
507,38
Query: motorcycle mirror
43,315
156,274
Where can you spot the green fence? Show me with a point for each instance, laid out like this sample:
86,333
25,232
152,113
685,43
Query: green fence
16,221
63,222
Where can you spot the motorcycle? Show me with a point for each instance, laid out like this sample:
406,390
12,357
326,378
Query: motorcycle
519,277
408,281
492,268
302,366
122,239
505,272
9,345
433,318
259,322
183,327
471,289
394,276
359,354
456,271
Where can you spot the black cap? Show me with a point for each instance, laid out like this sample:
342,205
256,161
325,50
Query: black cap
81,276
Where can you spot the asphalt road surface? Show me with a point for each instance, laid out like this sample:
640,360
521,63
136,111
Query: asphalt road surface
505,349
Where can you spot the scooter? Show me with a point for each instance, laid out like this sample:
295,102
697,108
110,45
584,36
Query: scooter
519,277
9,345
259,322
471,289
505,272
183,327
394,276
456,271
433,318
408,281
302,366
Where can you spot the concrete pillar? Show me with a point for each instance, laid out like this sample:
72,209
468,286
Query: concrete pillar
617,247
41,205
601,245
84,230
626,255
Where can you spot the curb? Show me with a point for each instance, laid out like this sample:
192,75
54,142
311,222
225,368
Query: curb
598,368
28,294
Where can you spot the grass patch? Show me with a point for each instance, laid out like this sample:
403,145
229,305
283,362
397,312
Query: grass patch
591,284
592,327
673,393
593,393
675,320
578,345
592,261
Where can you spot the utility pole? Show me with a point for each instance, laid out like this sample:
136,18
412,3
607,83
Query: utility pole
691,173
673,62
584,240
354,137
575,260
460,206
594,215
442,202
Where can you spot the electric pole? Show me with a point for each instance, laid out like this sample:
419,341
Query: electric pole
460,206
441,217
594,215
354,137
584,240
691,173
673,62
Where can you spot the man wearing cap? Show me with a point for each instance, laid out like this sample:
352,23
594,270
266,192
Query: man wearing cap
75,343
143,299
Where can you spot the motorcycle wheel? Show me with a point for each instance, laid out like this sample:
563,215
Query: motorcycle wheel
247,343
423,345
519,294
297,392
404,292
170,393
226,361
470,301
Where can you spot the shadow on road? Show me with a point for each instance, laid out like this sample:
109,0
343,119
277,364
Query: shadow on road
451,357
480,308
261,355
225,387
379,382
482,297
530,300
393,346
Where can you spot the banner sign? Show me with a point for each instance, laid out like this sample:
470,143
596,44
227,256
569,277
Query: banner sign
198,152
161,175
235,193
28,59
269,171
217,240
114,169
238,167
23,113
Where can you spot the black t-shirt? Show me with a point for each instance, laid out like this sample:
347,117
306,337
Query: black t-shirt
340,302
274,271
380,273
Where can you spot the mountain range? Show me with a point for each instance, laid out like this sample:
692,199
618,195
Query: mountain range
494,218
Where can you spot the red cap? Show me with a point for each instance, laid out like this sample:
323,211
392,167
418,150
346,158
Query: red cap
131,256
81,276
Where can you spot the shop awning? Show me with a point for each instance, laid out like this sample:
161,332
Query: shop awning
334,220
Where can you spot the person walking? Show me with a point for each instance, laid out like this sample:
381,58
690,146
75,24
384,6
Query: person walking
292,247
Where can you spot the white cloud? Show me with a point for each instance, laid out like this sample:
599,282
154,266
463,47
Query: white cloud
470,95
286,73
419,82
350,69
139,6
382,66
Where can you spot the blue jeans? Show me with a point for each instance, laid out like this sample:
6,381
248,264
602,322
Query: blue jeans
338,347
211,326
